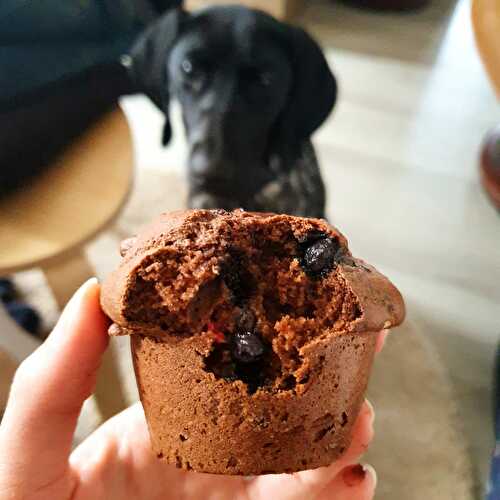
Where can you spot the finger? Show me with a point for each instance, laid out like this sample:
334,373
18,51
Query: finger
118,454
382,336
362,436
355,482
309,483
50,387
129,426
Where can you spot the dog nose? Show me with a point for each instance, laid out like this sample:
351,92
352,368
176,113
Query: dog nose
203,134
201,161
208,103
205,146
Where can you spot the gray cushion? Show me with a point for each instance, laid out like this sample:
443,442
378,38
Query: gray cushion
42,41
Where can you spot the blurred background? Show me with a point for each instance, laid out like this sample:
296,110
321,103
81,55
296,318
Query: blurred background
400,156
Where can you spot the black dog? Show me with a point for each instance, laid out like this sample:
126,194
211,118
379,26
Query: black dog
252,91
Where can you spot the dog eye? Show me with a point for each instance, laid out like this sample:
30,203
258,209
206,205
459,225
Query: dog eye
194,75
187,67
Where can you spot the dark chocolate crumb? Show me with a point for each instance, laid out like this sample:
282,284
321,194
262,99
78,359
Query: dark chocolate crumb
344,419
288,383
253,374
237,279
246,320
219,362
323,432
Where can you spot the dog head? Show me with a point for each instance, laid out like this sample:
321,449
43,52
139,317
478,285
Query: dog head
251,88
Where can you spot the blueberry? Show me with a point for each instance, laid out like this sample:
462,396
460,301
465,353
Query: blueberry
320,255
243,358
246,347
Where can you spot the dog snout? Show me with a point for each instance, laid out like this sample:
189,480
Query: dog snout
202,162
205,146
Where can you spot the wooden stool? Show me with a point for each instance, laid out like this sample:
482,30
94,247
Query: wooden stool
486,24
48,223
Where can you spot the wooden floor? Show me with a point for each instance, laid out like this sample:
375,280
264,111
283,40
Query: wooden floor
399,155
401,158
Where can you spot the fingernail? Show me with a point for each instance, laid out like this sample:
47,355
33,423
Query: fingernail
372,409
354,475
74,302
382,337
372,473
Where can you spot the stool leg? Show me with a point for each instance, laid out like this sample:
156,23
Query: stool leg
64,276
8,367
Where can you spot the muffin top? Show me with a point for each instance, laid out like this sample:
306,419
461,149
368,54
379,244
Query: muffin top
292,279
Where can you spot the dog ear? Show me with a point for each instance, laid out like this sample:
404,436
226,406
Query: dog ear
311,99
147,65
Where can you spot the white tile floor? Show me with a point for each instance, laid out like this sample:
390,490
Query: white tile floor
399,156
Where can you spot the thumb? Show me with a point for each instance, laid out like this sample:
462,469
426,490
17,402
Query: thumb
48,391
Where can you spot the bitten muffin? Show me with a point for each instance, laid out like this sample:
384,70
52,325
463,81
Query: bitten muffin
252,337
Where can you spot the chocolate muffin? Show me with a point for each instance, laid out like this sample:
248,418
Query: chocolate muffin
253,336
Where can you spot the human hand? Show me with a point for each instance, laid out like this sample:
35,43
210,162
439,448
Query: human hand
116,461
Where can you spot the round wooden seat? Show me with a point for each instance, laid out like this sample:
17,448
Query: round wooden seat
486,24
71,202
